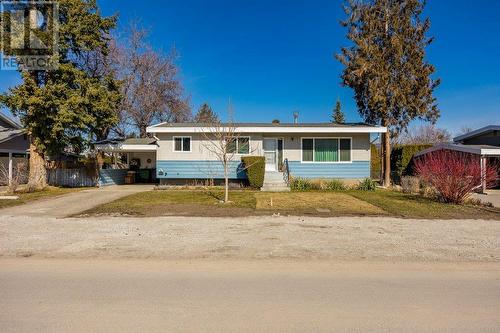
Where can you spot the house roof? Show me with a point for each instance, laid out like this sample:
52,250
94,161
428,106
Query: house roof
139,141
7,134
127,145
11,122
485,150
270,127
129,141
9,128
477,132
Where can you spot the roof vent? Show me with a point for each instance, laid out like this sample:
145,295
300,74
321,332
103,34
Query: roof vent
296,117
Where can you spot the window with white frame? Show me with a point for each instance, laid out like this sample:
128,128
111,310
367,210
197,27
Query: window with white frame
239,145
326,150
182,143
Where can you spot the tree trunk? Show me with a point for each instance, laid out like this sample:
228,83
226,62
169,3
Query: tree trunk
37,179
226,184
381,159
99,160
142,131
387,159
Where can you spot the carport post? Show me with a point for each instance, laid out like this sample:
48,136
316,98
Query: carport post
10,168
483,173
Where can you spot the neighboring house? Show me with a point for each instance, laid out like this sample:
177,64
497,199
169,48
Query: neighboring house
483,142
14,144
319,150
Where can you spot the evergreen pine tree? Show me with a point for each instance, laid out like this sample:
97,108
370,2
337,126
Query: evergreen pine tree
338,116
386,66
61,108
206,115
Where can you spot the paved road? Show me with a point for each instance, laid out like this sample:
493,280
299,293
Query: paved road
74,203
247,296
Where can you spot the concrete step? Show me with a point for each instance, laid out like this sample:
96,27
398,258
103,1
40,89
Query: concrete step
273,182
272,176
275,188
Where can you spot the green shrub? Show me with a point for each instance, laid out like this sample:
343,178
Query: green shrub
255,169
301,184
401,156
375,162
335,185
367,185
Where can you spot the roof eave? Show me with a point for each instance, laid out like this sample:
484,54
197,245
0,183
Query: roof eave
461,148
477,132
265,129
11,122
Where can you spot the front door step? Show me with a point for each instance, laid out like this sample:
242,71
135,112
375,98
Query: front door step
274,182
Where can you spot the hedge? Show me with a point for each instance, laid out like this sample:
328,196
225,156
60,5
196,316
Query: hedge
255,169
375,162
401,157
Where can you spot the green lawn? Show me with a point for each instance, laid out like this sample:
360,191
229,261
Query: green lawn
320,203
25,197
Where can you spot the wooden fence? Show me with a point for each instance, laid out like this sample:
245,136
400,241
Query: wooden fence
71,177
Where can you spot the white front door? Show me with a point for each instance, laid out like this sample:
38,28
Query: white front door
270,147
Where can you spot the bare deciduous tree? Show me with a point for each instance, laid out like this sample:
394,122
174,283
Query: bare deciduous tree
223,141
150,84
219,140
427,134
19,176
464,130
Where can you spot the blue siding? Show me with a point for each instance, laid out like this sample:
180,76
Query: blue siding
112,177
198,169
356,169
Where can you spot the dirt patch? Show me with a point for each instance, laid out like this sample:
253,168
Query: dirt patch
261,237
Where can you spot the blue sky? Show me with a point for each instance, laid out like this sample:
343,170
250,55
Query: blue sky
271,57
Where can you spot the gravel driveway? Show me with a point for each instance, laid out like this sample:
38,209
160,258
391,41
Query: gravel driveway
251,238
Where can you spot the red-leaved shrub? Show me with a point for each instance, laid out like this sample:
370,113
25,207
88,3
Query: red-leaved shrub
455,175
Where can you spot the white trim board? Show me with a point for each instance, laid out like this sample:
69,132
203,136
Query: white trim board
125,148
277,130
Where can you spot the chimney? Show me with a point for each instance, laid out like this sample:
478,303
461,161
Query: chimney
296,117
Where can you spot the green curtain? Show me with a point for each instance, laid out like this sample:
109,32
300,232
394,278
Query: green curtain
326,150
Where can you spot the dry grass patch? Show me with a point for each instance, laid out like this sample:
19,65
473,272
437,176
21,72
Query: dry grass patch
180,202
416,206
330,203
25,197
318,203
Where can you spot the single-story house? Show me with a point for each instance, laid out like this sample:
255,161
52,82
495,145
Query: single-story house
14,144
314,150
483,142
182,152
